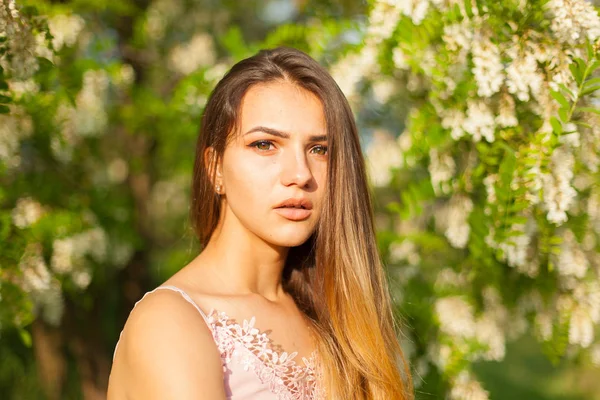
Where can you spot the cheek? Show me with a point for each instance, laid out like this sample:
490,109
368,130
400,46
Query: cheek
248,181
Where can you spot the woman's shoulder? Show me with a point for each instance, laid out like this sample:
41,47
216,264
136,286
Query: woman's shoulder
165,346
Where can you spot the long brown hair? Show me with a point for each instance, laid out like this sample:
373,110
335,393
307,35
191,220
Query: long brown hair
336,277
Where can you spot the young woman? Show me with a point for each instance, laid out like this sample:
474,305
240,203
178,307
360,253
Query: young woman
288,299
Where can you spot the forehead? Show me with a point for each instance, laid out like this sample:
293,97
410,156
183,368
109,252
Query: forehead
283,106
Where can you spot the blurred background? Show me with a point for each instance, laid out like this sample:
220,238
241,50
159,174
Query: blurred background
479,121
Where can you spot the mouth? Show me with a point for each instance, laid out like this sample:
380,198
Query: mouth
294,213
295,208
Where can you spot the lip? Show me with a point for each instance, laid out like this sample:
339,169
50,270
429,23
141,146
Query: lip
296,202
295,208
294,214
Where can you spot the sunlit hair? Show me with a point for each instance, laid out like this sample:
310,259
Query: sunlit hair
336,277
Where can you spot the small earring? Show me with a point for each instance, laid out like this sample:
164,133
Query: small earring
218,188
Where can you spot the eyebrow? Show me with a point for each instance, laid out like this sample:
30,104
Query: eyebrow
283,135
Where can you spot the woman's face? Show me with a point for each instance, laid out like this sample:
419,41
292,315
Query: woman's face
278,157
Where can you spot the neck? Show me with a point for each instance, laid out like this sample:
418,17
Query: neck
244,262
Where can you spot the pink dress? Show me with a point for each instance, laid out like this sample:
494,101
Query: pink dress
251,368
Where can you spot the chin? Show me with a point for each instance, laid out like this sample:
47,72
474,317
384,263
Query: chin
290,238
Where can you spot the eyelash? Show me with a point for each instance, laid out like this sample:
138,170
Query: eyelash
258,142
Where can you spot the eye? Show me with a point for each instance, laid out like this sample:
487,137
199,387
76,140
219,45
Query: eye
263,145
320,150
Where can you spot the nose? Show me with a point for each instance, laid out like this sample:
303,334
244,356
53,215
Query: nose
296,169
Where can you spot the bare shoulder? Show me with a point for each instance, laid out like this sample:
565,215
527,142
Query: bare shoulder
166,351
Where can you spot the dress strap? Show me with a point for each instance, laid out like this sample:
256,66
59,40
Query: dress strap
175,289
185,296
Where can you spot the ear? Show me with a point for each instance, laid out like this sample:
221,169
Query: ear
213,165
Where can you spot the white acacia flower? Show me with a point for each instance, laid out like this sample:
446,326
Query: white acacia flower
574,21
581,328
442,169
487,67
51,303
383,19
26,212
90,117
480,121
188,57
466,387
81,278
65,29
14,127
439,354
455,316
544,325
452,220
404,251
382,155
506,112
523,75
559,195
36,277
454,120
458,36
571,261
354,67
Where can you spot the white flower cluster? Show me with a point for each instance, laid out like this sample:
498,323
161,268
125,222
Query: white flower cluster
65,29
91,118
27,212
585,313
452,220
517,250
574,21
506,112
198,52
571,261
14,127
442,169
68,254
466,387
559,195
44,290
480,121
351,69
382,155
454,119
455,316
404,251
487,66
457,320
21,42
523,75
87,119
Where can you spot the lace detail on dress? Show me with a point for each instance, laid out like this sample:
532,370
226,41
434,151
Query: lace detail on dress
285,378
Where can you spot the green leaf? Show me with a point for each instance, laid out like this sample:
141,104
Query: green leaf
576,73
582,67
588,109
560,98
590,50
563,114
591,82
564,88
3,85
581,123
25,337
556,125
5,99
589,89
468,8
4,109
